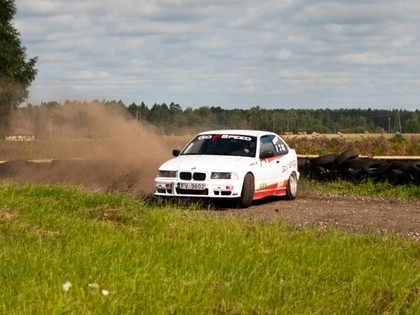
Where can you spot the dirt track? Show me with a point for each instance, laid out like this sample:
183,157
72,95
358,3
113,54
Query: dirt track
358,214
354,213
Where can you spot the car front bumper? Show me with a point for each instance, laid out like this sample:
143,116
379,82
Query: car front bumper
202,189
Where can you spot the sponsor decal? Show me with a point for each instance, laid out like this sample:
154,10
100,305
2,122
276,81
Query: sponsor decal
204,137
236,137
224,136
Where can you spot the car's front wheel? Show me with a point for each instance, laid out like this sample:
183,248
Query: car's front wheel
292,186
247,194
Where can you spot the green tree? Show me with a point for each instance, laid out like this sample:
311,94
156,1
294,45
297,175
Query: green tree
176,116
16,74
159,116
133,110
143,111
254,117
413,123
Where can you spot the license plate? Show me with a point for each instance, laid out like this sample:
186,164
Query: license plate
192,186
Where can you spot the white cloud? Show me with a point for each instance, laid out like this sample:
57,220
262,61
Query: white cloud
227,53
372,59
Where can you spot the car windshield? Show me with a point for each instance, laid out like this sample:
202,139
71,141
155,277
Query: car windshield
222,144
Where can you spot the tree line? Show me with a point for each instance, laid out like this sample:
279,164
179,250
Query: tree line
172,119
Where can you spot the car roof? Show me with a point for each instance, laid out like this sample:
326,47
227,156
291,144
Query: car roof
244,132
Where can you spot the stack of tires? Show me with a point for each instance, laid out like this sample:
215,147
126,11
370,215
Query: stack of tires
349,166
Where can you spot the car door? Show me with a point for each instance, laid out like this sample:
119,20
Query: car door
272,165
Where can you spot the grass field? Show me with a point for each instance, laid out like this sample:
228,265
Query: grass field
65,251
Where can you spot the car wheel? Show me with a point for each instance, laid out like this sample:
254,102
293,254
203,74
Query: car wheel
248,189
292,186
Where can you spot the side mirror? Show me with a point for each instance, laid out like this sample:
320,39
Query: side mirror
267,154
176,152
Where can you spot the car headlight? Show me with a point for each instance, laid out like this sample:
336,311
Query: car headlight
163,173
224,175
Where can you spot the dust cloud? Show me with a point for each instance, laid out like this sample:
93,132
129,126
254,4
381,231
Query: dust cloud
93,146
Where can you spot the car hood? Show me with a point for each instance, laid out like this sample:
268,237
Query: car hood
203,163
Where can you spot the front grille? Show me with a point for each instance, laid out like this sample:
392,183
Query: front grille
199,176
185,176
189,176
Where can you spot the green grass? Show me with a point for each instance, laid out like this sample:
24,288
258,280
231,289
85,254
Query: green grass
364,188
166,260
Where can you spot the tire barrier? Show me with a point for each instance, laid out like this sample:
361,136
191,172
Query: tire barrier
348,165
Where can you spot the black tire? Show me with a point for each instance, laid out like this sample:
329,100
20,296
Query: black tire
353,169
398,176
324,160
323,173
415,167
292,187
373,167
400,165
358,164
304,165
354,173
345,156
383,169
415,171
247,194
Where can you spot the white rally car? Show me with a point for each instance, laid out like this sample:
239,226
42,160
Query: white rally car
243,165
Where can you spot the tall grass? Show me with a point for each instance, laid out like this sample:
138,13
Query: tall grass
116,254
365,144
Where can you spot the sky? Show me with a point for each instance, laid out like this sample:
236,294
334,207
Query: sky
301,54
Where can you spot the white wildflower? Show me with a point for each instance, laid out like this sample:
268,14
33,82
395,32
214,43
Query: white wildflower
66,286
105,292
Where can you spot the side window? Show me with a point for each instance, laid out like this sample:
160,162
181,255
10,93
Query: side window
273,143
266,144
